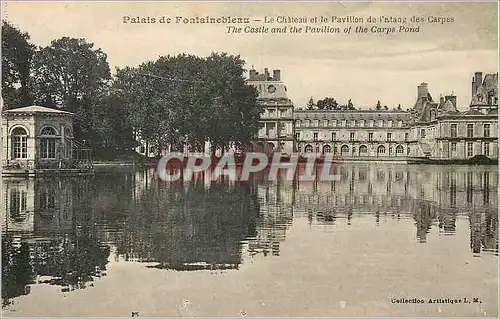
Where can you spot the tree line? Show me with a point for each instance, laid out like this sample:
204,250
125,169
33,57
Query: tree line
330,104
174,100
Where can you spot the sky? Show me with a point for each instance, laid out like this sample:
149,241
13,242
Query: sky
363,67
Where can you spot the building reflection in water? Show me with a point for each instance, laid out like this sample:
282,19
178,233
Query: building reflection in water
62,231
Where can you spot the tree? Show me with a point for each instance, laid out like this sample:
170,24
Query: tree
328,103
71,75
399,107
386,107
379,106
17,53
310,104
188,99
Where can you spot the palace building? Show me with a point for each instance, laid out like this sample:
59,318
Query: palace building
431,130
277,126
37,140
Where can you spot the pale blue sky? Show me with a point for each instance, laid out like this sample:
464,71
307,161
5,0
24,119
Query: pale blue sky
365,68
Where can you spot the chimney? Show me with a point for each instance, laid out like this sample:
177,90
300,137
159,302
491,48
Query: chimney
479,79
474,87
252,74
266,73
422,91
276,75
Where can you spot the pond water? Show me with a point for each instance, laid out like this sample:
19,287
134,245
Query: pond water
383,240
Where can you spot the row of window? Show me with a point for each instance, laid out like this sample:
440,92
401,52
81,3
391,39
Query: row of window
45,131
19,138
346,123
470,130
352,136
282,113
470,149
345,150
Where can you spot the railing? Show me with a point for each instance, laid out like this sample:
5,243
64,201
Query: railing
80,159
53,164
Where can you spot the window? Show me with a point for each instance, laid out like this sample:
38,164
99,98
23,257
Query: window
334,122
381,149
344,150
18,201
327,149
486,129
317,149
334,136
48,143
19,143
325,123
389,137
351,136
315,136
298,124
297,136
362,123
316,123
400,123
271,112
422,133
406,137
453,130
487,149
308,149
389,123
470,130
370,137
453,147
408,150
470,149
399,150
363,149
47,199
48,148
307,123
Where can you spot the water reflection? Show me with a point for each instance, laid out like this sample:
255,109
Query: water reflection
62,231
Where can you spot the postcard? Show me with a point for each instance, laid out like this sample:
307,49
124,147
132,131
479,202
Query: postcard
249,159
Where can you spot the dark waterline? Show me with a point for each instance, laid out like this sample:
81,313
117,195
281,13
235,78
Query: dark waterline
65,232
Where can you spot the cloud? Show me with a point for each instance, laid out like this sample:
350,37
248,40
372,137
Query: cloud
364,67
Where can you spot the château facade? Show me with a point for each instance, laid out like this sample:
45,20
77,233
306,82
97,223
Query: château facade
432,130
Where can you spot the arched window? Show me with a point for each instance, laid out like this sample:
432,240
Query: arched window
399,150
48,143
363,150
381,150
68,132
432,115
344,150
308,149
48,130
19,143
327,149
